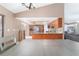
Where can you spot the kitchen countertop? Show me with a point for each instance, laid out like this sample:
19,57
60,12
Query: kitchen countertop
47,33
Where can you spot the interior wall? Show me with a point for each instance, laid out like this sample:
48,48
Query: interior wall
10,23
27,30
71,12
56,10
22,26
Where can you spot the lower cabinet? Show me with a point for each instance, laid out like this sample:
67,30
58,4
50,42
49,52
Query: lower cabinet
47,36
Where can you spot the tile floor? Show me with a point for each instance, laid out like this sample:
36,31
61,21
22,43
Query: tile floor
44,48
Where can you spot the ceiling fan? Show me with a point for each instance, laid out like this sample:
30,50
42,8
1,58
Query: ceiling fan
31,6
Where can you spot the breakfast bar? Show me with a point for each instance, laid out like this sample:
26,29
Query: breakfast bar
52,36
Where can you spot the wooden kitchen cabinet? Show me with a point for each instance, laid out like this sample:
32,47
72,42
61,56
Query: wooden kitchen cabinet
47,36
60,22
56,23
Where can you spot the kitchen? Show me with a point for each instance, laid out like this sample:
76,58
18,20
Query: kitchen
51,30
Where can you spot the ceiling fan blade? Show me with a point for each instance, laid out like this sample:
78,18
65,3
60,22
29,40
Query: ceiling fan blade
23,4
30,5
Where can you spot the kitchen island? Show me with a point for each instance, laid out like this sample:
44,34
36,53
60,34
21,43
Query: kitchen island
52,36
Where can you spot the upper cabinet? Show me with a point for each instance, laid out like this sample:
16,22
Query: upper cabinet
56,23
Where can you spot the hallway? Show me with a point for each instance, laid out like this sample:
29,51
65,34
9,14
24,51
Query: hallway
30,47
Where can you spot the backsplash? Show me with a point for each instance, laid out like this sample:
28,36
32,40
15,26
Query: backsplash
59,30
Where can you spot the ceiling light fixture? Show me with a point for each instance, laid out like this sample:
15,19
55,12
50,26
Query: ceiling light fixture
31,6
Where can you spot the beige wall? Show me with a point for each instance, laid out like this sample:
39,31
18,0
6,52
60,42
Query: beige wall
22,27
27,30
10,27
47,11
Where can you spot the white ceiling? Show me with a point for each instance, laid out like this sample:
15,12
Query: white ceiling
71,12
17,7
